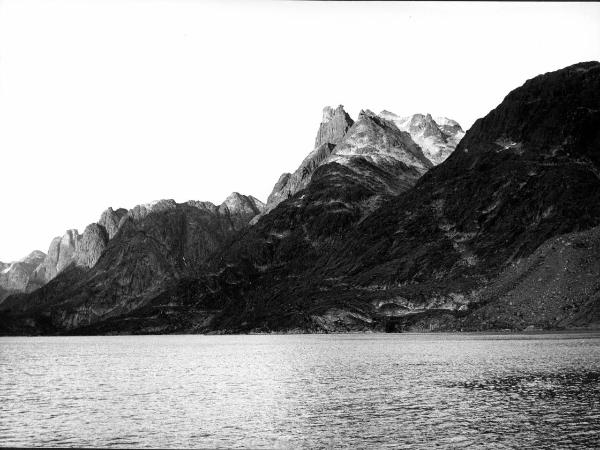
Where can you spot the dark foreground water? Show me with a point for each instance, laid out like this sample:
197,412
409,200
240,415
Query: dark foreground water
404,390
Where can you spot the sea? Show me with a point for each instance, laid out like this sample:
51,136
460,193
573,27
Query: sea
422,391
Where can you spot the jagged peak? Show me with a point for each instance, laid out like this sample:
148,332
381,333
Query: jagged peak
385,112
237,202
329,113
210,206
36,254
333,126
366,113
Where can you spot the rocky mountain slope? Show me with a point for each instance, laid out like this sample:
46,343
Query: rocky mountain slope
155,244
438,256
372,160
502,234
80,249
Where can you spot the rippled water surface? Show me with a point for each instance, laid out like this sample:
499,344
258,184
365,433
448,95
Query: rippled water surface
409,390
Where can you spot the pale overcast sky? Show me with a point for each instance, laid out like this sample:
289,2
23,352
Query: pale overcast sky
117,103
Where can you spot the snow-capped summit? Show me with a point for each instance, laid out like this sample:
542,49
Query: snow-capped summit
437,137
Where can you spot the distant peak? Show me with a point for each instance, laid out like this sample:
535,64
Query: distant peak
235,200
385,112
366,113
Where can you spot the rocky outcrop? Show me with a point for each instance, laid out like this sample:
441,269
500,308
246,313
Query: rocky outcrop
91,246
288,185
333,127
15,276
437,138
279,193
73,248
241,209
60,254
110,220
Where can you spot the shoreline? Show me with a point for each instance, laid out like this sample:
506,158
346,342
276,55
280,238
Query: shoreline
578,331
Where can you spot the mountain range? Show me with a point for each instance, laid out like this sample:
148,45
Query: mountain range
390,223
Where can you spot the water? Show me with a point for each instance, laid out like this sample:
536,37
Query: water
365,391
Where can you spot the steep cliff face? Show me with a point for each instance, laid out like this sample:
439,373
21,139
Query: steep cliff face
110,220
73,248
15,276
60,254
334,126
91,246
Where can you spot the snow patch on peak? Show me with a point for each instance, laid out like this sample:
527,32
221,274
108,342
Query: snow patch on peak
437,137
445,121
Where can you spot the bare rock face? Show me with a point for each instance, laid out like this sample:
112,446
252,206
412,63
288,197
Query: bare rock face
14,276
91,246
110,220
84,251
68,246
139,212
205,206
437,137
380,143
289,184
333,127
241,209
60,254
278,188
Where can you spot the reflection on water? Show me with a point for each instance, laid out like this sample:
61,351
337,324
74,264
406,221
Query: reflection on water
409,390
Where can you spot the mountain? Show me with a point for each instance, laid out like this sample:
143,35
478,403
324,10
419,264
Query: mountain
72,247
60,255
332,130
15,276
369,140
502,234
241,209
333,127
370,160
438,138
466,248
155,245
523,175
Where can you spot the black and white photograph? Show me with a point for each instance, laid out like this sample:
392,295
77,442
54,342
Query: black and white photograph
299,224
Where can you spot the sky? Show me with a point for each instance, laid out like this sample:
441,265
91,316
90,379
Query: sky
119,103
